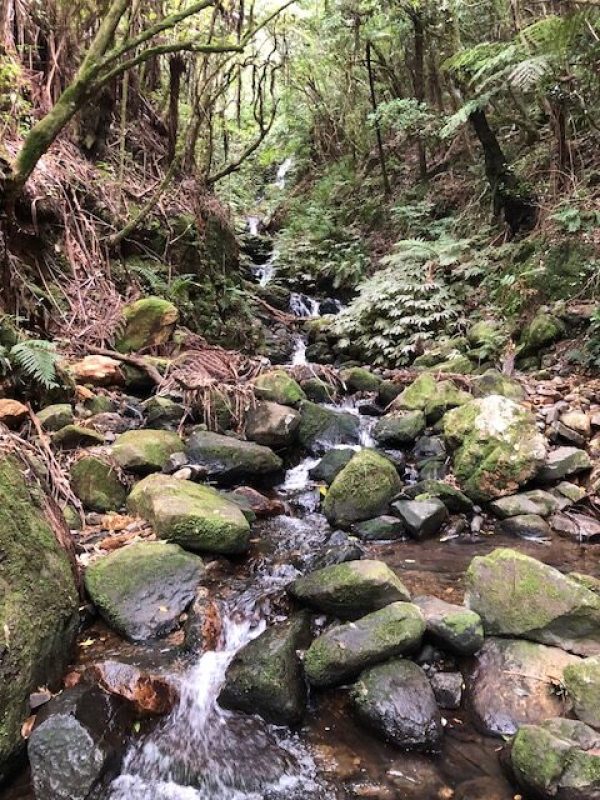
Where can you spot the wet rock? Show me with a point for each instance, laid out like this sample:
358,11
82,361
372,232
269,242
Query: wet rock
515,595
455,628
272,424
358,379
38,605
342,652
145,451
582,682
447,689
148,322
494,382
331,465
142,590
497,446
557,759
320,427
388,391
266,677
399,428
422,518
397,702
428,447
339,549
97,371
196,517
530,526
454,500
384,528
95,482
147,693
261,506
362,490
278,387
55,417
535,502
163,413
563,462
317,390
228,459
484,789
72,437
515,682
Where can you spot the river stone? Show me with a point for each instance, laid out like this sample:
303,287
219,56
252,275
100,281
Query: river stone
384,528
278,387
145,451
535,502
494,382
141,590
71,437
148,322
196,517
454,627
97,484
530,526
339,549
331,465
447,396
272,424
230,460
447,689
38,604
582,682
422,518
396,700
358,379
497,446
342,652
321,428
416,396
455,501
388,391
266,677
351,589
362,490
563,462
317,390
55,417
514,682
577,421
147,693
163,413
543,330
515,595
399,428
559,758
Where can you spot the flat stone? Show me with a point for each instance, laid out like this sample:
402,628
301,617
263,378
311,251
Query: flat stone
145,451
228,459
454,627
563,462
422,518
148,693
529,526
536,502
384,528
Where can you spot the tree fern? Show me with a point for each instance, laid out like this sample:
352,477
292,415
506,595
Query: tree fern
36,361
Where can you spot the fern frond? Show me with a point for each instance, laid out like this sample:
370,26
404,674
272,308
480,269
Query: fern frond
36,359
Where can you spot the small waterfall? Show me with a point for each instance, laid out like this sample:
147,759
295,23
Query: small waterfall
301,305
282,172
264,273
299,351
253,225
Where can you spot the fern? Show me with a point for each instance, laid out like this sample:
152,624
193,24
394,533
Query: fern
36,360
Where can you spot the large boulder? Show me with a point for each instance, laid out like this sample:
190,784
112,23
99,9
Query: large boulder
196,517
350,589
454,627
321,427
416,396
142,590
396,700
277,386
559,758
96,483
342,652
359,379
543,330
399,428
148,322
145,451
266,677
362,490
272,424
494,382
582,682
38,604
227,459
447,396
513,682
515,595
497,446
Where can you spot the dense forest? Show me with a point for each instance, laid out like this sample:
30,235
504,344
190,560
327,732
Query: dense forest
299,400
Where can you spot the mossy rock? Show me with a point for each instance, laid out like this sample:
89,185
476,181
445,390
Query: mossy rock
320,427
494,382
279,387
148,322
362,490
457,365
582,682
97,484
351,589
71,437
543,330
55,417
141,590
446,397
399,428
416,396
163,413
318,391
145,451
228,459
359,379
456,628
516,595
193,516
440,352
497,446
455,501
388,391
38,606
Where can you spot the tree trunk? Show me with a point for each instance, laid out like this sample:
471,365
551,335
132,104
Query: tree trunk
176,70
380,150
419,82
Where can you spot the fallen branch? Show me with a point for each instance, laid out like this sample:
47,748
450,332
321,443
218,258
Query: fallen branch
133,361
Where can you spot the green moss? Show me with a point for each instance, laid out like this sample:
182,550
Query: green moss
358,379
534,755
321,427
416,396
148,322
145,451
96,483
278,387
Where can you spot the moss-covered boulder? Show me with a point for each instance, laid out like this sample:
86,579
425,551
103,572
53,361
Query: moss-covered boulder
38,605
359,379
582,682
536,501
362,490
559,758
454,627
342,652
455,501
447,396
542,331
266,676
163,413
351,589
272,424
145,451
96,483
494,382
141,590
228,459
71,437
516,595
148,322
497,446
399,428
277,386
55,417
459,364
416,396
318,391
193,516
321,427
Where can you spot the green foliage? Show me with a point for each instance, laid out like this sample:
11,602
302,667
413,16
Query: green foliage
593,342
32,361
573,219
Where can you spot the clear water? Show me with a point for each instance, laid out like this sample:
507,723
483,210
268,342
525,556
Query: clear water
282,173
